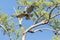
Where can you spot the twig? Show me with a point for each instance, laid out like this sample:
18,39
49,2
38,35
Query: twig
52,11
2,26
55,15
20,21
58,4
41,29
15,10
36,14
6,31
20,24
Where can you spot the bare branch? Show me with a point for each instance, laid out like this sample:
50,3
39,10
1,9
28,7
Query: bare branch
23,36
33,26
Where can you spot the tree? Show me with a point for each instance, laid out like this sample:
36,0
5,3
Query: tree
40,11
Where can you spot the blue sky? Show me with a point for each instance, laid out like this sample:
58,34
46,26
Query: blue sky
7,7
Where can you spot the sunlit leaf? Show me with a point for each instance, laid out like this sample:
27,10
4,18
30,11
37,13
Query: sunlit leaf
56,37
49,3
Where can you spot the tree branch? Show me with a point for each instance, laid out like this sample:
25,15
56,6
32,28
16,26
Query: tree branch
40,23
38,18
20,24
24,36
33,26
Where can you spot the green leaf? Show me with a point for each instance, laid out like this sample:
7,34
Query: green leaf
48,3
56,37
22,29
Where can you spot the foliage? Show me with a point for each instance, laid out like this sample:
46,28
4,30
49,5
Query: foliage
42,10
56,38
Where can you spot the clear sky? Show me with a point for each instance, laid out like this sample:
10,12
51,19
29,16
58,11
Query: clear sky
7,7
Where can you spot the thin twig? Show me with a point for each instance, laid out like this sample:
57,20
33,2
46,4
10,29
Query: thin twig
15,10
38,18
58,4
2,26
6,31
52,11
55,15
41,29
